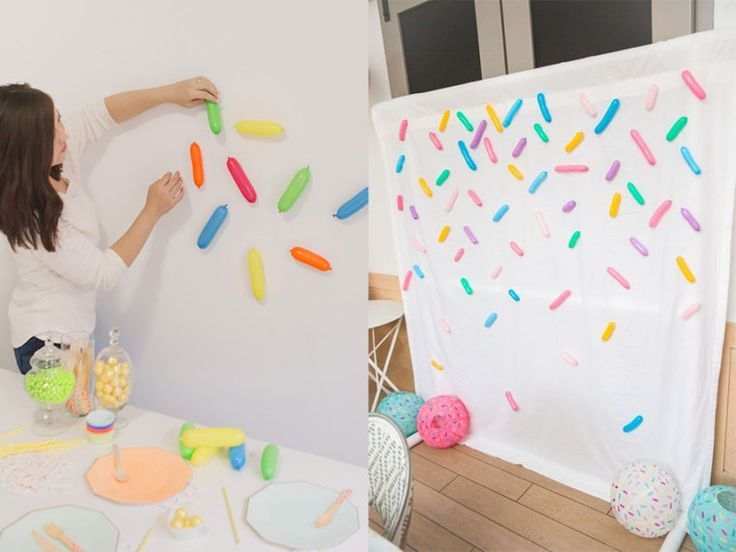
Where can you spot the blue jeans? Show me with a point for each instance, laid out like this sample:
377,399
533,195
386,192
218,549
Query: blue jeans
24,353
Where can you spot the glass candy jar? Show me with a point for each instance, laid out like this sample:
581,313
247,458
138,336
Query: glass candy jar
50,383
113,376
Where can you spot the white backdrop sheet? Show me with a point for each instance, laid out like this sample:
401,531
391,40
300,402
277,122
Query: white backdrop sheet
570,421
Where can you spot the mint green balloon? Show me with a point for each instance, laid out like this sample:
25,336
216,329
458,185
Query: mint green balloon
294,189
269,461
214,116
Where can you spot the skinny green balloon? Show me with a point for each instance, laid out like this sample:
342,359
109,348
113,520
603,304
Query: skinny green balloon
185,451
466,286
214,116
442,178
574,239
269,461
294,189
676,128
540,132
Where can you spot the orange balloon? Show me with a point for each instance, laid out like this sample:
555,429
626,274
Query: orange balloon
309,257
197,169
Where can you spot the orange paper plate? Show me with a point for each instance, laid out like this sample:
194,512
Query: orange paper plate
154,475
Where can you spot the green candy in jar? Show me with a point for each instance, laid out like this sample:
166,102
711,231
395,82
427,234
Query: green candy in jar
50,385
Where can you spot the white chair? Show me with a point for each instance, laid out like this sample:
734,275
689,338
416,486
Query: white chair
380,313
389,476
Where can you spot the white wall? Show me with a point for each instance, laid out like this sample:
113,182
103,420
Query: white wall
291,370
724,14
382,252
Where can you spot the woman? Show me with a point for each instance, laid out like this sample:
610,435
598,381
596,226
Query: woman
50,221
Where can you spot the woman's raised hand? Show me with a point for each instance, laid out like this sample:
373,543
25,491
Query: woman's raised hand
193,92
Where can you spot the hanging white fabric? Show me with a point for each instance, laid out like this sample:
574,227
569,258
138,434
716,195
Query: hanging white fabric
626,366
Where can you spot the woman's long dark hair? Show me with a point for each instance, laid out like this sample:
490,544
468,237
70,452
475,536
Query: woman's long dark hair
29,207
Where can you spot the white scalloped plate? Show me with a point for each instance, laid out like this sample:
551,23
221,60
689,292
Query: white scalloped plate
284,514
90,529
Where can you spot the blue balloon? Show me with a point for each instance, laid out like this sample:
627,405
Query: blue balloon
354,204
542,101
608,117
237,457
211,228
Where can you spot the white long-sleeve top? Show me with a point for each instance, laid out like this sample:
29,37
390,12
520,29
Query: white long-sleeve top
57,291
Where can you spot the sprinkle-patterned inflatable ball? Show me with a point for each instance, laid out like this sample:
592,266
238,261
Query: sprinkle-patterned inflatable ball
645,499
712,519
443,421
402,407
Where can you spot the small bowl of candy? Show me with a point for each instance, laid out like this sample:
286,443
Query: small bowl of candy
184,523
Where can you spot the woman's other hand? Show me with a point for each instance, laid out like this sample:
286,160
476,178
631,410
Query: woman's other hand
164,194
193,92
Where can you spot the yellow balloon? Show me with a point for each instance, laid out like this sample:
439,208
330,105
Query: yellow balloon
203,455
259,128
213,437
257,278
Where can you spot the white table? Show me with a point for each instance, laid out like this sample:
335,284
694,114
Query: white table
147,428
380,313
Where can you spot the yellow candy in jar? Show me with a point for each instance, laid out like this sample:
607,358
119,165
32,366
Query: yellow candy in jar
117,392
111,361
107,388
98,385
181,513
195,521
99,368
115,382
124,368
116,369
178,523
107,374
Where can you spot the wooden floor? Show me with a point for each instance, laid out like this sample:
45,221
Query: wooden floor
467,501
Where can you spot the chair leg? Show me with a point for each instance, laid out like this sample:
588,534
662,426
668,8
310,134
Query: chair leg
403,529
384,372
